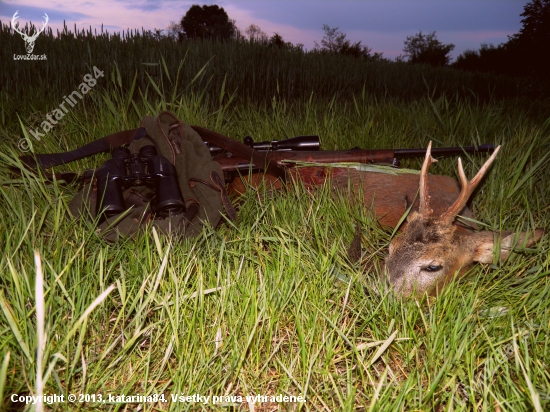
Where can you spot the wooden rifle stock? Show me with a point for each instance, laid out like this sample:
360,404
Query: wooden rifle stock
232,163
235,165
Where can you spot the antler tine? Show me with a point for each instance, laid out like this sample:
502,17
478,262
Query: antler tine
15,17
467,188
13,22
44,24
424,208
37,32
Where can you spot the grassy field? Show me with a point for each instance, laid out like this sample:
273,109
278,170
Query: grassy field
270,305
254,71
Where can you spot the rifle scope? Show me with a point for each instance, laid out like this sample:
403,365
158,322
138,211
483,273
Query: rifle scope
299,143
306,143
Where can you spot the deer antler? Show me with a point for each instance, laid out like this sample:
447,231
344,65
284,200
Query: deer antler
35,35
467,188
43,24
424,209
26,37
14,27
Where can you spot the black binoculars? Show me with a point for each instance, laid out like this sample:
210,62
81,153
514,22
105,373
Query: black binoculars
144,169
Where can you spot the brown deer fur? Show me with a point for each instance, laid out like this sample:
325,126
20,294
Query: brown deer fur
388,195
391,195
432,246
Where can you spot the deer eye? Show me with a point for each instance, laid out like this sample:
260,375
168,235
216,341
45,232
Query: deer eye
433,268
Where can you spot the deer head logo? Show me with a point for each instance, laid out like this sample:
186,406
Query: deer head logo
29,40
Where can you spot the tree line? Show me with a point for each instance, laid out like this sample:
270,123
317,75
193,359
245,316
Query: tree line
524,54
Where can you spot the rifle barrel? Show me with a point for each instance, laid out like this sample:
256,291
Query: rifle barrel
388,156
321,156
443,151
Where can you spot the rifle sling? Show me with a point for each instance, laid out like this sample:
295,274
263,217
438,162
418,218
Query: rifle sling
260,159
112,141
104,144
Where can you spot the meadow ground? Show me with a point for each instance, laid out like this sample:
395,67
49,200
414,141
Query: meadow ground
270,305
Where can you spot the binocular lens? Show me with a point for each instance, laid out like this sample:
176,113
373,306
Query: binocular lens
147,168
115,207
170,208
169,199
148,151
120,153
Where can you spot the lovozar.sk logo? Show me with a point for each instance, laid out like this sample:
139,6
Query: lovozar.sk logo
29,40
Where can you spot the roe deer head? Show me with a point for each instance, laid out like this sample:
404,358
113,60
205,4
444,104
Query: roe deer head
432,248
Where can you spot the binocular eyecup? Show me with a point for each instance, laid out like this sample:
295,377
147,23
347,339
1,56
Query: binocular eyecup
147,168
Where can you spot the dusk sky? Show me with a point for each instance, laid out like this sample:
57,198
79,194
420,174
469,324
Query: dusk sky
380,24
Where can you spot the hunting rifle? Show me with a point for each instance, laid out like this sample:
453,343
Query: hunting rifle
305,149
275,158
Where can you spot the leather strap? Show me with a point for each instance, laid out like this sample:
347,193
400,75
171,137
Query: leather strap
260,159
104,144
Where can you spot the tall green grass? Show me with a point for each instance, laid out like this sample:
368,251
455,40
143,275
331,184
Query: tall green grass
270,304
252,70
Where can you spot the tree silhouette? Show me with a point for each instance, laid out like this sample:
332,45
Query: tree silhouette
536,23
529,49
173,30
335,41
426,49
524,54
207,22
255,33
488,58
277,41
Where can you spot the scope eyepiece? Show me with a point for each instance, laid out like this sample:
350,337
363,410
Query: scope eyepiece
249,141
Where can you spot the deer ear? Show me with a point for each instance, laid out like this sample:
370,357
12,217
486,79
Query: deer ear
485,244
